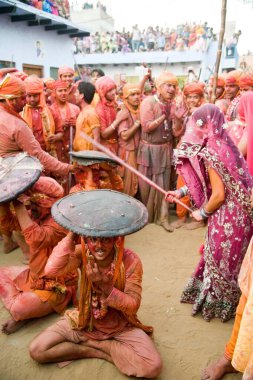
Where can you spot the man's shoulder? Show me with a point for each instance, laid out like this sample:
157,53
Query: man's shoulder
130,257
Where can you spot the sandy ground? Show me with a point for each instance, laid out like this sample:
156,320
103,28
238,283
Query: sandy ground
186,343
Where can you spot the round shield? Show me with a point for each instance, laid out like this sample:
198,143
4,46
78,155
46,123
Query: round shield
100,213
17,174
90,157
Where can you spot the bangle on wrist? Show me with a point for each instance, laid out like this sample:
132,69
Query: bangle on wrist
183,191
205,214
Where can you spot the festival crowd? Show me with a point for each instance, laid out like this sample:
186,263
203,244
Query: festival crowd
55,7
183,37
195,144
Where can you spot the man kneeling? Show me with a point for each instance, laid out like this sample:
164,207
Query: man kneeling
105,325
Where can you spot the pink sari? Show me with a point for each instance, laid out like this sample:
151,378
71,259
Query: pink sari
213,287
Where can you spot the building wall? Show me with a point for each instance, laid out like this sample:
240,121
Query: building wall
96,20
18,44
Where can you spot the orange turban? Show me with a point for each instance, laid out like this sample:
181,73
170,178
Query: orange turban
194,88
60,84
45,192
246,79
49,83
220,81
35,85
166,77
130,89
232,78
11,87
65,70
104,84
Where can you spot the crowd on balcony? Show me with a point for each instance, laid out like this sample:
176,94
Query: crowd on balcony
183,37
55,7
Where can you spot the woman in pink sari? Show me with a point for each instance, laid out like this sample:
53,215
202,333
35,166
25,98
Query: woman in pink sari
219,184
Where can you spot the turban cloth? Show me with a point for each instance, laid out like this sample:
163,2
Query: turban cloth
65,70
103,85
220,81
130,89
232,78
60,84
246,79
11,87
45,192
194,88
49,83
166,77
35,85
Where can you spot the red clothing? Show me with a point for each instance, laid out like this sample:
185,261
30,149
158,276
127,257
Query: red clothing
122,305
41,240
107,114
16,136
61,115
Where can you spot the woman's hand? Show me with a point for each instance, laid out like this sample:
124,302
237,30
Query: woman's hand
197,216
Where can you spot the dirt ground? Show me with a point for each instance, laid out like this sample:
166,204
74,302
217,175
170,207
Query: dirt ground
186,343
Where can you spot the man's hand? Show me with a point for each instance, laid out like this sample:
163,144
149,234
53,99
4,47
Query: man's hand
100,280
171,195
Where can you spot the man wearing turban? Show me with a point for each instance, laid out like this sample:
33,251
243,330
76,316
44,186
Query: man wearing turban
38,116
16,136
65,115
129,131
232,93
66,74
156,146
30,293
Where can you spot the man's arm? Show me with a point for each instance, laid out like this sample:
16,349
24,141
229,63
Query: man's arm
27,143
65,258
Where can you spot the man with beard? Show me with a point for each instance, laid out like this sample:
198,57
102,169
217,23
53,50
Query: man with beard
232,90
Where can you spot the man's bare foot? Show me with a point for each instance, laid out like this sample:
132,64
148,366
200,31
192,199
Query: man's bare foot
194,225
11,326
10,246
178,223
165,224
218,369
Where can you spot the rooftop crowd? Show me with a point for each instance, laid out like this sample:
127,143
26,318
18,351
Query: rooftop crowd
55,7
183,37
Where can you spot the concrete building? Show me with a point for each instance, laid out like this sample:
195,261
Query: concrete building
34,41
96,19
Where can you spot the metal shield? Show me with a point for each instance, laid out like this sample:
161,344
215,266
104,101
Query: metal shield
90,157
100,213
17,174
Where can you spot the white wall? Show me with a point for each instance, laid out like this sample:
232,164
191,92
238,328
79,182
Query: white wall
18,44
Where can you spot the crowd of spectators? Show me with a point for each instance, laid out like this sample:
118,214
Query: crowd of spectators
55,7
183,37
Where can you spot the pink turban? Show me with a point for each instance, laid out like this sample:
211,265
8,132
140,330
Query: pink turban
104,84
65,70
60,84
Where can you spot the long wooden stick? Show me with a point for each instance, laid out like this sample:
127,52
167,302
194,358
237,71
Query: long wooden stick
219,51
133,170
